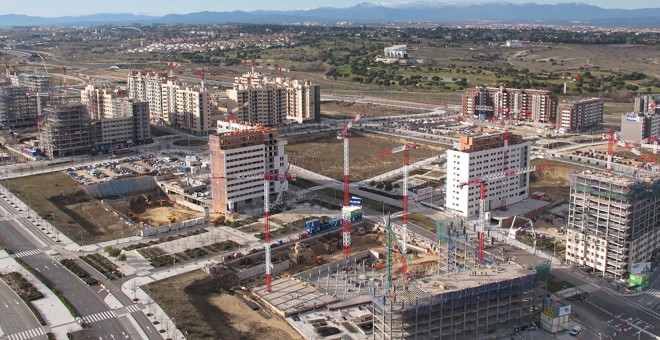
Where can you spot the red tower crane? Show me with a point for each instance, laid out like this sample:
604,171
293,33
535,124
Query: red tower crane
346,235
612,141
268,177
482,181
406,162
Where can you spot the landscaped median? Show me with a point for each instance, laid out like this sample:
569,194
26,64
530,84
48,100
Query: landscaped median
31,286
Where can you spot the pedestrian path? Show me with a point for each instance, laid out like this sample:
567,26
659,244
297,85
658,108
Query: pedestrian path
99,316
28,253
29,334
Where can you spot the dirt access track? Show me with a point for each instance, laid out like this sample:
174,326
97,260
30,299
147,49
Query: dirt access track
323,153
63,202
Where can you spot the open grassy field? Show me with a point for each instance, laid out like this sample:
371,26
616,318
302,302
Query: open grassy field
323,153
61,200
348,110
201,306
640,58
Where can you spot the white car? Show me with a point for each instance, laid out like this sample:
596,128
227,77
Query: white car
575,330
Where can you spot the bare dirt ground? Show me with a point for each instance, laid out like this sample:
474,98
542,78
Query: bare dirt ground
348,110
63,202
200,305
555,181
250,324
323,153
157,216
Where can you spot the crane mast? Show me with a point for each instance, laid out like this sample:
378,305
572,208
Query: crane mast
346,220
406,163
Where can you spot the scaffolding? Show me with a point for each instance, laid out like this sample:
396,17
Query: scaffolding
471,312
607,216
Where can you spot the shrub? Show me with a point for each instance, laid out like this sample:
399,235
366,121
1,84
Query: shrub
121,257
114,252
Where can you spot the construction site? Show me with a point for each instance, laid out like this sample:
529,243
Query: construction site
434,290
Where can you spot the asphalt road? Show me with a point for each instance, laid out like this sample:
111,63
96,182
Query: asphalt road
15,316
87,300
619,316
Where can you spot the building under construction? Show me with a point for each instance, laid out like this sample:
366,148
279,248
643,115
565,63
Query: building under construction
18,110
613,222
68,130
445,294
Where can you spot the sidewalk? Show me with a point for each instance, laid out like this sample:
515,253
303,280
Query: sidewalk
58,319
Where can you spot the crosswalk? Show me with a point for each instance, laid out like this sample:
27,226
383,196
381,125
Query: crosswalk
653,292
99,316
28,253
133,308
6,218
29,334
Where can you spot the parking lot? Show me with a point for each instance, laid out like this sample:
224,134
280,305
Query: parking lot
129,166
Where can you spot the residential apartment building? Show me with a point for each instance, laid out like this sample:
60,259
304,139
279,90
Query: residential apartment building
274,101
172,102
68,130
485,154
241,154
523,104
18,110
613,222
122,120
580,115
647,103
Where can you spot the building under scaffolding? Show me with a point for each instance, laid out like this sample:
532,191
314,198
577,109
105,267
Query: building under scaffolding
469,304
613,222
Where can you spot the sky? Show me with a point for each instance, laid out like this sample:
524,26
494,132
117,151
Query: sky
55,8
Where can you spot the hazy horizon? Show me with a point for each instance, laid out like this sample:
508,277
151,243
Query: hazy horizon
52,8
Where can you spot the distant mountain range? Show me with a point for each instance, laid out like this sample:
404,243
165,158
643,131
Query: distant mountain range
371,13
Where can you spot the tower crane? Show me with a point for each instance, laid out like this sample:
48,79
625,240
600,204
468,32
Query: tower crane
346,235
482,181
406,162
267,178
236,109
612,140
566,78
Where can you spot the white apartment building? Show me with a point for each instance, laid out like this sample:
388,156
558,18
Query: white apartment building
172,102
612,222
485,154
274,101
240,155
